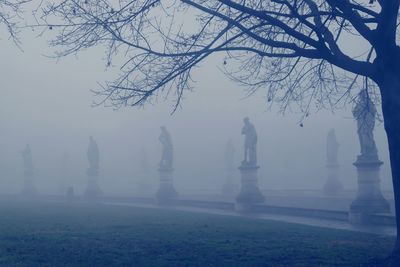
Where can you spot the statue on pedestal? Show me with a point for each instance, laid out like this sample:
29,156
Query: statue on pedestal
332,186
167,149
93,190
369,199
27,160
364,112
250,143
250,193
332,147
166,191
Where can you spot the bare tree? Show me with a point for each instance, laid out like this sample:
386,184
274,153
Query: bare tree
9,15
295,50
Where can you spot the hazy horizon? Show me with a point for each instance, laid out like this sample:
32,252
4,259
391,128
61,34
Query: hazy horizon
47,103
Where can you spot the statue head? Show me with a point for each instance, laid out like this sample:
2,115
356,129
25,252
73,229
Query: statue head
246,120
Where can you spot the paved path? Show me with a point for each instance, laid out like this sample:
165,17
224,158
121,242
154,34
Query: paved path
332,224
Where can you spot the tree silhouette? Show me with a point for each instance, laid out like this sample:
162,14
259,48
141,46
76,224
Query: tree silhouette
295,50
9,16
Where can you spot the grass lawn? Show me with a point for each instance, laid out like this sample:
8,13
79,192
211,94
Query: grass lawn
49,234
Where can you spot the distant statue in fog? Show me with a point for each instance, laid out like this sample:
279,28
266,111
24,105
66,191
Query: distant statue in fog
27,160
229,156
364,112
250,143
167,149
93,189
332,147
93,155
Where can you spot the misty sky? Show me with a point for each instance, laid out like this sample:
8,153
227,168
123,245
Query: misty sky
48,104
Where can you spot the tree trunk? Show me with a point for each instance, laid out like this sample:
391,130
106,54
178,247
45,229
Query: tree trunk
390,92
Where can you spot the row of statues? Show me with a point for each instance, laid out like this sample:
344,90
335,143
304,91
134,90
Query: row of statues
250,147
166,162
364,113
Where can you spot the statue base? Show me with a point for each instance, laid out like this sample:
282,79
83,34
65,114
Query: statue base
332,186
369,199
93,190
250,193
166,191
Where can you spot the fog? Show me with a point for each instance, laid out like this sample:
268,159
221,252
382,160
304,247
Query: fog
48,104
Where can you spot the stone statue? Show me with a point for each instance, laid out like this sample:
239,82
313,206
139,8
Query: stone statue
93,155
332,147
364,112
167,149
229,156
27,160
93,190
250,143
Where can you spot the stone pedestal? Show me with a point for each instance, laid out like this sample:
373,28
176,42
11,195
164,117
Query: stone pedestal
332,186
93,190
29,188
369,199
166,191
250,193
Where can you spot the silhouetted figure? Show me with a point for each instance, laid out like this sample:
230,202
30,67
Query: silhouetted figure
27,160
364,112
166,191
332,147
93,190
250,143
369,198
250,193
332,186
167,149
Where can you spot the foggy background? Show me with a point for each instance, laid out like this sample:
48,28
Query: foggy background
48,104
